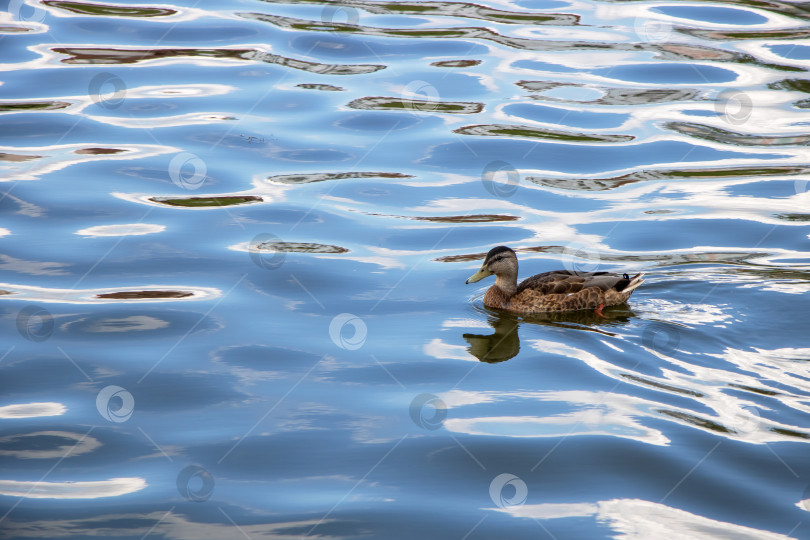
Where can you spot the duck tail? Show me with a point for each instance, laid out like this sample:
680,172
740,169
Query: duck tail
635,281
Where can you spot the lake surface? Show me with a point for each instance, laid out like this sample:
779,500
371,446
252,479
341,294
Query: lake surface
234,243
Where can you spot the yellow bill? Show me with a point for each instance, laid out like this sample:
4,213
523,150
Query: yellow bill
478,276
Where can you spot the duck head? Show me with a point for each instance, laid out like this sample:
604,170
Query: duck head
500,261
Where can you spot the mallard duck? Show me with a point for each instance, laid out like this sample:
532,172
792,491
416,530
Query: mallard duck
558,290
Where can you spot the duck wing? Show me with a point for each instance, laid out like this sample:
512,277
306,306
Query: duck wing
567,282
608,281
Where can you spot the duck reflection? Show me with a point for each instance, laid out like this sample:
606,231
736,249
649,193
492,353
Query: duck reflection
504,343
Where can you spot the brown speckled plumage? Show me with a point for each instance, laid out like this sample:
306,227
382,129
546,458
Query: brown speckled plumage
559,290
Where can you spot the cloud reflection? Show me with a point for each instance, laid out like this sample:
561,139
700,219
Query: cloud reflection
126,229
167,525
32,410
47,445
734,397
151,293
595,413
636,519
113,487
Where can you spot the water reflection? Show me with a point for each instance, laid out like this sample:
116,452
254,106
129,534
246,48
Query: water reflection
32,410
47,445
667,51
671,175
504,342
100,55
38,161
506,130
113,487
581,413
451,9
128,229
725,136
501,345
637,518
303,123
92,296
98,9
174,524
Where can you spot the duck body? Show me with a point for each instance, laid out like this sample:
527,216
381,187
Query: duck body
558,290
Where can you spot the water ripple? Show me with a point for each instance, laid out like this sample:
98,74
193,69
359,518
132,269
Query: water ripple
353,163
106,10
94,296
100,55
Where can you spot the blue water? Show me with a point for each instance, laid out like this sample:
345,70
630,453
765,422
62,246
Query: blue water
234,243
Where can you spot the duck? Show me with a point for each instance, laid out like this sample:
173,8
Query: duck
558,290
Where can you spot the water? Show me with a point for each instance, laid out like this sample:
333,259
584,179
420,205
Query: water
235,238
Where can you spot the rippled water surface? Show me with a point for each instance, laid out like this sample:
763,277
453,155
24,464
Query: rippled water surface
234,243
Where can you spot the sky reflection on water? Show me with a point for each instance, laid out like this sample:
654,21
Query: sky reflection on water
235,246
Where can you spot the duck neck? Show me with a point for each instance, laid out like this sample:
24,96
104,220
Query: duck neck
506,283
499,295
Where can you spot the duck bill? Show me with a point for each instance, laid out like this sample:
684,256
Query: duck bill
478,276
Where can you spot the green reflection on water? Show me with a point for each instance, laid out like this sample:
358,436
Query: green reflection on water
83,8
497,130
197,202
